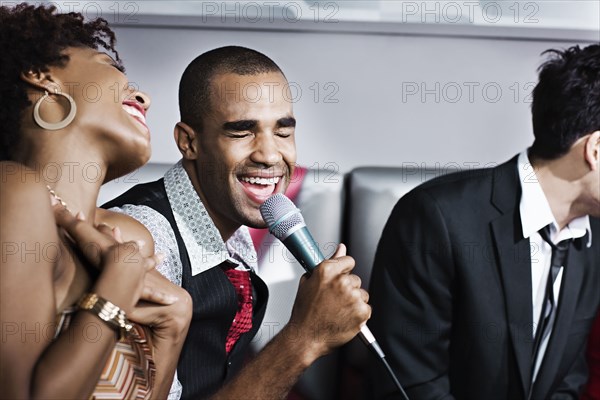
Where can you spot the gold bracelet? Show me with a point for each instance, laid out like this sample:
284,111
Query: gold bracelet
106,311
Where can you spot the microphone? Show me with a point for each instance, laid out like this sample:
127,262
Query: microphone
286,223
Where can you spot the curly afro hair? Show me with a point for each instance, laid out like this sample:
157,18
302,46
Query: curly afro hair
33,39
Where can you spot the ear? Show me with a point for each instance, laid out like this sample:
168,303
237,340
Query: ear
592,150
185,137
40,80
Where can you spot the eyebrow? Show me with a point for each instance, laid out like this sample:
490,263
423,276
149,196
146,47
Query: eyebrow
250,124
288,122
242,125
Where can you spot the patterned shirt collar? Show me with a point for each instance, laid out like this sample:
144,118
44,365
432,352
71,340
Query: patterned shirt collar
202,239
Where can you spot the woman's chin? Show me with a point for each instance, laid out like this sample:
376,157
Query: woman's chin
128,167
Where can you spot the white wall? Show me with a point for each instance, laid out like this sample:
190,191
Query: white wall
373,75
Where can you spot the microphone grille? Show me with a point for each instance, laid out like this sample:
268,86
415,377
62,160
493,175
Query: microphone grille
281,215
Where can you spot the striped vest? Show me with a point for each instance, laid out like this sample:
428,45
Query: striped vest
204,366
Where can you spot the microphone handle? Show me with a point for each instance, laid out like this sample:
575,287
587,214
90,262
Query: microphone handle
304,248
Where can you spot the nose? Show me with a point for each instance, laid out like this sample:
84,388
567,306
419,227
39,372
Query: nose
143,99
139,96
266,151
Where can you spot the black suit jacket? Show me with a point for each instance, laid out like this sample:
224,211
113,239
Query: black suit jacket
451,295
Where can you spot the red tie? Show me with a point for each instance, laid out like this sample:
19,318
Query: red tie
242,321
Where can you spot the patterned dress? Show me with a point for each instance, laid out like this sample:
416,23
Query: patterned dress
129,372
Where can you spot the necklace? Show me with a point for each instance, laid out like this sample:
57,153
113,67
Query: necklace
58,198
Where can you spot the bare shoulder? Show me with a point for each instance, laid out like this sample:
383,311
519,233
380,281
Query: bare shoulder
131,228
25,204
17,177
30,255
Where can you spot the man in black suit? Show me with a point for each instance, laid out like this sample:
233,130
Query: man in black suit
470,301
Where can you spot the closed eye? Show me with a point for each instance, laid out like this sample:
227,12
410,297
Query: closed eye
237,135
284,134
119,66
239,129
116,64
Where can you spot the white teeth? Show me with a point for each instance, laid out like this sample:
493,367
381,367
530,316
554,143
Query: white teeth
261,181
134,112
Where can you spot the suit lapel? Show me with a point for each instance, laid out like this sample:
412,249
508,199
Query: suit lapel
514,262
571,283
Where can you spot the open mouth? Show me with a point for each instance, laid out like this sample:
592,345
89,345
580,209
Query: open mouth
259,187
136,111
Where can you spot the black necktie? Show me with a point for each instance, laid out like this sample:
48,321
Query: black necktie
559,256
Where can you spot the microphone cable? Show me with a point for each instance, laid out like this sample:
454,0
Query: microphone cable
394,378
286,223
369,340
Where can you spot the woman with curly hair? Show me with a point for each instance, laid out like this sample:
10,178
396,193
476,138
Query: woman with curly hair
83,311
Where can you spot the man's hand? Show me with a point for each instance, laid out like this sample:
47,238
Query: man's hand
330,306
329,311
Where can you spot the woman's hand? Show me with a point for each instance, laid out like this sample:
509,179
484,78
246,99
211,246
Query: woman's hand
158,303
122,265
164,306
168,322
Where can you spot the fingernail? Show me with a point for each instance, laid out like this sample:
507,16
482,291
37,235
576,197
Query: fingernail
80,216
140,243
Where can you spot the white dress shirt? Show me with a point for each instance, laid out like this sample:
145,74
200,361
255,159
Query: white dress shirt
535,214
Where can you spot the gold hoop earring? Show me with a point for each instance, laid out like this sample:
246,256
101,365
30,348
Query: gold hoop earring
54,126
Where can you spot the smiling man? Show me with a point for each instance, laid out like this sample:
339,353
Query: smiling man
236,137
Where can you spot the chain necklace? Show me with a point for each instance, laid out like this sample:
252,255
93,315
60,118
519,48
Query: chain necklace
58,198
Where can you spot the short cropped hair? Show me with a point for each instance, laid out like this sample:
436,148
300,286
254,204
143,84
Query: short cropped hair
195,84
